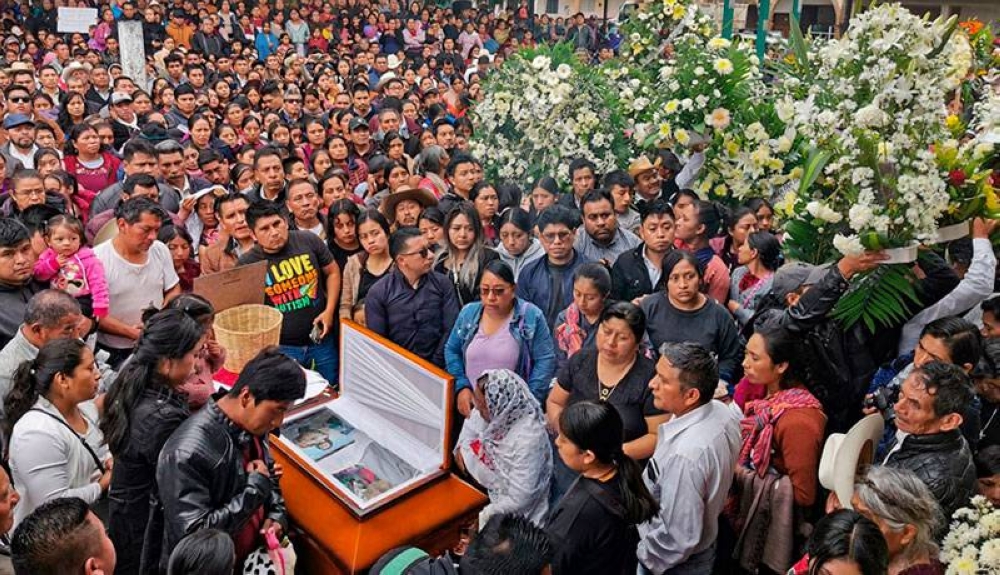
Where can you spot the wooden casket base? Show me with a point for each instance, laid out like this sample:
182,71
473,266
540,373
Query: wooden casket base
332,540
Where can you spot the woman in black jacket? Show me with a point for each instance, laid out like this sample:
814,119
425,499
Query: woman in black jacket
144,407
594,525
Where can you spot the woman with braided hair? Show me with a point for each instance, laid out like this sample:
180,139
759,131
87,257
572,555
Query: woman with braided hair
594,525
143,407
784,430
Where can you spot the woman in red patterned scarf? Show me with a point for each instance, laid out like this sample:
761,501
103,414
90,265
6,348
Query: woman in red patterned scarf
783,431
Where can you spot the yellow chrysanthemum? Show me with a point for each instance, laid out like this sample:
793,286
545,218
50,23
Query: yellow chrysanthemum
679,12
723,66
671,106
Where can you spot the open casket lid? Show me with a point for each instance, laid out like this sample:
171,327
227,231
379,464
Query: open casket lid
394,383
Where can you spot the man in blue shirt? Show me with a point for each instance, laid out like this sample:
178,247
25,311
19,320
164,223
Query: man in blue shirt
413,306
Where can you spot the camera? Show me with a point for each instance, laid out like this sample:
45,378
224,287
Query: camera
883,399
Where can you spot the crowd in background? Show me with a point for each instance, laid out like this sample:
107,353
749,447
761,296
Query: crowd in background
635,368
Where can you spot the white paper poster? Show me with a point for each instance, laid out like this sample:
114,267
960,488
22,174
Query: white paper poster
76,19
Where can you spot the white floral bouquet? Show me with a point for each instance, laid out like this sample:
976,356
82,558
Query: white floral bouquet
682,87
874,110
542,109
972,546
654,25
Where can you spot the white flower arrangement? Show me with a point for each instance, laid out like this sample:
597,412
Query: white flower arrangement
972,545
543,108
874,109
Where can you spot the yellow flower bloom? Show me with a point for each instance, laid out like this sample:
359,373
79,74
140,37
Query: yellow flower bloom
723,66
720,190
992,202
718,43
787,205
952,121
732,148
665,130
682,137
679,12
671,106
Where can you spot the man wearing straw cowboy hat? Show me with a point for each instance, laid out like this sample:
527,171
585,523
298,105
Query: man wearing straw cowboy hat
646,175
402,208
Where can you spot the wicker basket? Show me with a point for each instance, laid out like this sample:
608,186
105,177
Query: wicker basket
244,330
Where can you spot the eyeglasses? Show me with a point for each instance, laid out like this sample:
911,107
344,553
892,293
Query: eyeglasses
30,193
553,236
422,252
20,99
496,291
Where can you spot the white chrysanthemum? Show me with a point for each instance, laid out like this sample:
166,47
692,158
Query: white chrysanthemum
848,245
540,62
821,211
563,71
723,66
682,136
671,106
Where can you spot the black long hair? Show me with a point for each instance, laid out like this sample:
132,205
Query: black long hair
204,552
597,427
846,534
168,334
33,378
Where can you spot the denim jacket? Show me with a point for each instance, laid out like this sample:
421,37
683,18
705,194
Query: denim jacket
537,361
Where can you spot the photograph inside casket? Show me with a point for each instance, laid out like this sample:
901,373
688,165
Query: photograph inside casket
386,432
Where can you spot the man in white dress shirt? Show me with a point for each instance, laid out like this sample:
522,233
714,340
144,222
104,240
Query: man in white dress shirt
692,468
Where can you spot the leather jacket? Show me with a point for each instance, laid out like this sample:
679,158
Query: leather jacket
203,480
844,361
629,277
943,462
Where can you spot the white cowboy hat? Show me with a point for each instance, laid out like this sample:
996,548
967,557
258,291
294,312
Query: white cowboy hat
846,453
393,61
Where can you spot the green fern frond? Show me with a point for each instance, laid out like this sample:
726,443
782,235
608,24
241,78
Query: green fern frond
879,298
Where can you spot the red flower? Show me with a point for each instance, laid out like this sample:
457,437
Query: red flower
956,178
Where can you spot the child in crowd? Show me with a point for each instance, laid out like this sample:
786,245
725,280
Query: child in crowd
181,247
70,266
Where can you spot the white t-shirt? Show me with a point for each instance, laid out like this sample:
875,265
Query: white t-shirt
134,287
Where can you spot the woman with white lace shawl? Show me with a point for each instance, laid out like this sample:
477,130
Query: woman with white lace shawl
504,446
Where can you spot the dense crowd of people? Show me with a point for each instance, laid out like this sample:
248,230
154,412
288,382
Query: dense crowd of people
643,384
